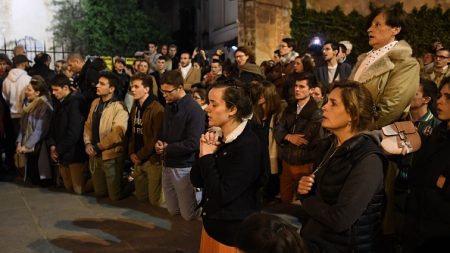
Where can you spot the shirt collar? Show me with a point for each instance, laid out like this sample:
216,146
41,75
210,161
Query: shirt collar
236,132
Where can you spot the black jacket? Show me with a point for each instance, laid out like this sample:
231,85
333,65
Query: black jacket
344,213
307,122
428,213
183,124
230,181
66,131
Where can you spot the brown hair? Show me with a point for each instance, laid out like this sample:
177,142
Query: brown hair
268,91
247,51
358,103
38,84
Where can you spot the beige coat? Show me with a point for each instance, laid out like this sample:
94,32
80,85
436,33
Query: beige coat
113,125
393,81
193,76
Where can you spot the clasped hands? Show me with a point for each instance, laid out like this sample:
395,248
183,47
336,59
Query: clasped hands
209,142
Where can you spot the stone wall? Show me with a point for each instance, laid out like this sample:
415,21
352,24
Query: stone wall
262,24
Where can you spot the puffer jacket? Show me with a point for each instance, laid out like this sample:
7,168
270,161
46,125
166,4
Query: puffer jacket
344,211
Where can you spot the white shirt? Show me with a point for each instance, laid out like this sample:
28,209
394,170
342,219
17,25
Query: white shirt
372,56
185,70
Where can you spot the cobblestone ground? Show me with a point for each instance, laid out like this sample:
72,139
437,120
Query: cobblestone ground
44,220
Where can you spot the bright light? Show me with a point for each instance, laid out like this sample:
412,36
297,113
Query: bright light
316,41
234,48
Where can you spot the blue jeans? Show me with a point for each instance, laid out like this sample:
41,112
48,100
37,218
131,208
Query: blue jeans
179,192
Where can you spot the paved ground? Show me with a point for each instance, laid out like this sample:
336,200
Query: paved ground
51,221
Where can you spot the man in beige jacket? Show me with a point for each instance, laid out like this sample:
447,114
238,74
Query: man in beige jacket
104,132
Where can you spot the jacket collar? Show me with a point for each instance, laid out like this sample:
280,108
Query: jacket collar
386,63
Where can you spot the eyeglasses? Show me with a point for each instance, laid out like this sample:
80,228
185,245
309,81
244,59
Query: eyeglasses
167,92
239,56
441,57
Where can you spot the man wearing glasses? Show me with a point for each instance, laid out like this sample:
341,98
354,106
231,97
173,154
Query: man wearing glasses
178,142
440,70
278,74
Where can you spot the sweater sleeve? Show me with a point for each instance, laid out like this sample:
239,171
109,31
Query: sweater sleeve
193,129
363,182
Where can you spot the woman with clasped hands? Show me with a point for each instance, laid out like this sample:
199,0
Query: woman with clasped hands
228,168
343,197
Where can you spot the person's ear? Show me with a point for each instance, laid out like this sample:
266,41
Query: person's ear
396,30
233,111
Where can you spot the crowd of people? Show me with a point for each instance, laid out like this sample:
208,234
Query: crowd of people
222,139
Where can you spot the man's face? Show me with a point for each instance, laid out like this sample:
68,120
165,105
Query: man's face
216,68
103,87
74,65
170,92
152,48
60,92
119,66
284,48
419,100
441,58
328,53
301,90
138,90
185,60
161,65
172,52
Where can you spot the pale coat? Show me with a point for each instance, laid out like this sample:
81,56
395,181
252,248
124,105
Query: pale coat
14,90
193,76
393,81
113,125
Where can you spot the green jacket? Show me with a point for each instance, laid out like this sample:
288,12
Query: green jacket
392,80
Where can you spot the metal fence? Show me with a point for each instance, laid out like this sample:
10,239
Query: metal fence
33,47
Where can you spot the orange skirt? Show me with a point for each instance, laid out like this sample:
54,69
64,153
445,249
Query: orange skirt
209,245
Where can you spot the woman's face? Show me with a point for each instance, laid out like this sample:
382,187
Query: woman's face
198,98
164,50
335,117
240,58
143,67
218,113
298,65
381,34
316,93
30,93
443,104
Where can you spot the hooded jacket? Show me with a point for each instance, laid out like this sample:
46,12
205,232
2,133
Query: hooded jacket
67,129
14,90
